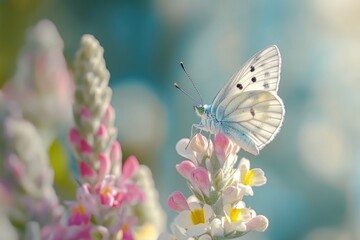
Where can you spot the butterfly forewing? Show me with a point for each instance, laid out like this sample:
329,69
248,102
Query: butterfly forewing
251,119
261,72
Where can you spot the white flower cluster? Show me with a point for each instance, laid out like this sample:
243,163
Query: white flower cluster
216,209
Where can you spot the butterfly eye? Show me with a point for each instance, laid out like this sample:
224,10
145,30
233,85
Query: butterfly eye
200,110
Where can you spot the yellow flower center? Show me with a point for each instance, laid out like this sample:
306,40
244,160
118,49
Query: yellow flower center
120,234
197,216
105,191
125,227
235,214
249,177
79,209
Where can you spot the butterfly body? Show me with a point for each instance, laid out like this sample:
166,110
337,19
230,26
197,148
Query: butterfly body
247,109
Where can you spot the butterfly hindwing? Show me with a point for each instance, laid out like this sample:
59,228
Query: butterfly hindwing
251,118
261,72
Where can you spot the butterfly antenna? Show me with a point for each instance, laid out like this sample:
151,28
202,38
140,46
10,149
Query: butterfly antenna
192,82
178,87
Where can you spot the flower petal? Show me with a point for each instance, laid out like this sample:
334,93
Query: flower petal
185,168
258,223
130,167
177,202
183,150
200,178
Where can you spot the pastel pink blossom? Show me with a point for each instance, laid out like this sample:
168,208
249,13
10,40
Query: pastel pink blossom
74,136
127,233
115,152
58,231
102,132
200,178
177,202
78,215
185,168
105,165
126,230
134,194
108,115
200,147
224,148
15,166
258,223
86,171
108,193
130,167
84,147
221,143
85,113
80,211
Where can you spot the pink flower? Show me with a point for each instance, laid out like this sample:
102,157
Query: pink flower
115,152
108,116
185,168
74,136
196,149
258,223
78,215
177,202
134,193
200,179
127,234
201,147
58,231
102,132
81,210
85,113
15,166
86,172
108,193
105,166
221,144
224,148
84,147
130,167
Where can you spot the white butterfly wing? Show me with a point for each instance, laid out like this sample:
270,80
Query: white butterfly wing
261,72
251,119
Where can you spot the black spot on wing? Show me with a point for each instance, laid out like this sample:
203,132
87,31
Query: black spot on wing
252,111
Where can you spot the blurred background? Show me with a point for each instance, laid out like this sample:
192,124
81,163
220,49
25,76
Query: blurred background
312,166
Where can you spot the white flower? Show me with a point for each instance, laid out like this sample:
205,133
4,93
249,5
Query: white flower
217,228
247,177
195,149
196,221
205,237
257,223
236,216
233,194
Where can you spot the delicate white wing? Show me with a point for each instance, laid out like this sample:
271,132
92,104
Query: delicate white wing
261,72
251,119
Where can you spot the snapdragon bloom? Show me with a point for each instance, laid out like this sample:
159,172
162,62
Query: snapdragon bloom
216,209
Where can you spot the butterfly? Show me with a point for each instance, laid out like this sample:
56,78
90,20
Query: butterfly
247,109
